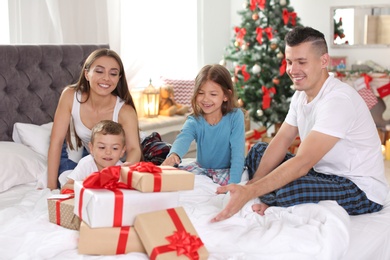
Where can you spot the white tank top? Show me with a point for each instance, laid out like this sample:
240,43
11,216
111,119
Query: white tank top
82,131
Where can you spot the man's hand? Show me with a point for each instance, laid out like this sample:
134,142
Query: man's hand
239,196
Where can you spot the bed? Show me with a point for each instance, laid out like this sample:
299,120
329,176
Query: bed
31,80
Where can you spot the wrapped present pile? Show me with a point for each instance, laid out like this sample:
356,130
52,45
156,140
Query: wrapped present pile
109,203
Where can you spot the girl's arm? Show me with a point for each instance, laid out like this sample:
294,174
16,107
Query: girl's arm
60,127
237,146
129,120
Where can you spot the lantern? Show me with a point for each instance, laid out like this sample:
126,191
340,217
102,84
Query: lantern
151,97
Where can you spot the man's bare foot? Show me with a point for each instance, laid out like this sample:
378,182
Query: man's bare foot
259,208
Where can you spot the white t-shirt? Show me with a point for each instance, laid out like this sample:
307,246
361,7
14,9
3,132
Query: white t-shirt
338,110
84,168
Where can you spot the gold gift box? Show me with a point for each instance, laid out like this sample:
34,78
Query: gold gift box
172,179
107,241
153,229
66,207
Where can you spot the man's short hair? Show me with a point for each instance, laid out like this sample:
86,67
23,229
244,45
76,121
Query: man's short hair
301,34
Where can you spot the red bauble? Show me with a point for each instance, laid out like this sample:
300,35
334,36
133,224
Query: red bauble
276,81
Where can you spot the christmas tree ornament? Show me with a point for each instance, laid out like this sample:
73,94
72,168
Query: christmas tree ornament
237,44
244,46
240,102
273,46
280,55
234,79
256,69
276,81
255,16
282,2
222,62
259,112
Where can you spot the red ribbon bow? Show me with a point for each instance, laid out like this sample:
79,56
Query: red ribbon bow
367,80
287,15
240,33
243,71
268,31
180,241
267,96
108,178
283,67
259,37
148,168
260,3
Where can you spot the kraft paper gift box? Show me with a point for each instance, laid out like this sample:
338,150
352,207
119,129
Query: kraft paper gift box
147,177
61,211
119,207
108,241
169,234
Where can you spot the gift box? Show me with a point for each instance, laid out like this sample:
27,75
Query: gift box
147,177
169,234
253,136
61,211
108,241
118,207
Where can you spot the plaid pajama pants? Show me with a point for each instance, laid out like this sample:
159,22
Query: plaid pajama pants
312,188
220,176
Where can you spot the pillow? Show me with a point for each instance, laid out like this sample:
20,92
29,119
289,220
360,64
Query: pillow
34,136
20,165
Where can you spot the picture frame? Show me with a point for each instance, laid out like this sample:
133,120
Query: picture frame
337,63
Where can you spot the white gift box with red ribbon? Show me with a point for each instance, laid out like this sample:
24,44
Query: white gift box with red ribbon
119,207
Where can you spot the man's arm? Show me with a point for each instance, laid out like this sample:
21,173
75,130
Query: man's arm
311,150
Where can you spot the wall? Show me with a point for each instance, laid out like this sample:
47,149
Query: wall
317,15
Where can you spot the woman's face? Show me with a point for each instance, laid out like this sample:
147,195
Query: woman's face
103,75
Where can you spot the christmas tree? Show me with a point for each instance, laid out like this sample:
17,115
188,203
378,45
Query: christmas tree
258,65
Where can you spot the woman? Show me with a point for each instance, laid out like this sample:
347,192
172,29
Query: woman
101,93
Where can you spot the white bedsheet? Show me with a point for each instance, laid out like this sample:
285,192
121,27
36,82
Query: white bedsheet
311,231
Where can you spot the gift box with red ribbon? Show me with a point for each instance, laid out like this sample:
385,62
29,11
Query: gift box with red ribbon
61,209
171,237
147,177
253,136
108,241
102,201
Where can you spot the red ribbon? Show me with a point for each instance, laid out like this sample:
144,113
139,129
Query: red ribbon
240,33
243,71
259,37
367,80
108,178
267,96
148,168
268,31
122,240
287,15
260,3
283,67
58,208
180,241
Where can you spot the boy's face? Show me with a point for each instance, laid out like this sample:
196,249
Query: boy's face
107,150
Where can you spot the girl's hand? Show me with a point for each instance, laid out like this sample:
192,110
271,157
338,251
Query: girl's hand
171,160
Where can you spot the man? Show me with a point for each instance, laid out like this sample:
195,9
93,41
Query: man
339,157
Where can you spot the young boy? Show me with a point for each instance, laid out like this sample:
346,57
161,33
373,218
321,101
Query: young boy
107,146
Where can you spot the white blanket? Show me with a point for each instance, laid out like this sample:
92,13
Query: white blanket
311,231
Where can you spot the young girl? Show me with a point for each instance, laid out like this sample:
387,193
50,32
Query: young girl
217,126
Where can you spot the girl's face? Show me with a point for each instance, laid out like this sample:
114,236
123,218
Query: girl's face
210,98
107,150
103,75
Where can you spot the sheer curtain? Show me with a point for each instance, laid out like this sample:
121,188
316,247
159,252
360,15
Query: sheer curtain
154,38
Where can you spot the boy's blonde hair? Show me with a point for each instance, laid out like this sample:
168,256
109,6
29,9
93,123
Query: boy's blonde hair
108,127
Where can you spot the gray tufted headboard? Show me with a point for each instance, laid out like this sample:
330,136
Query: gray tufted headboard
32,78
